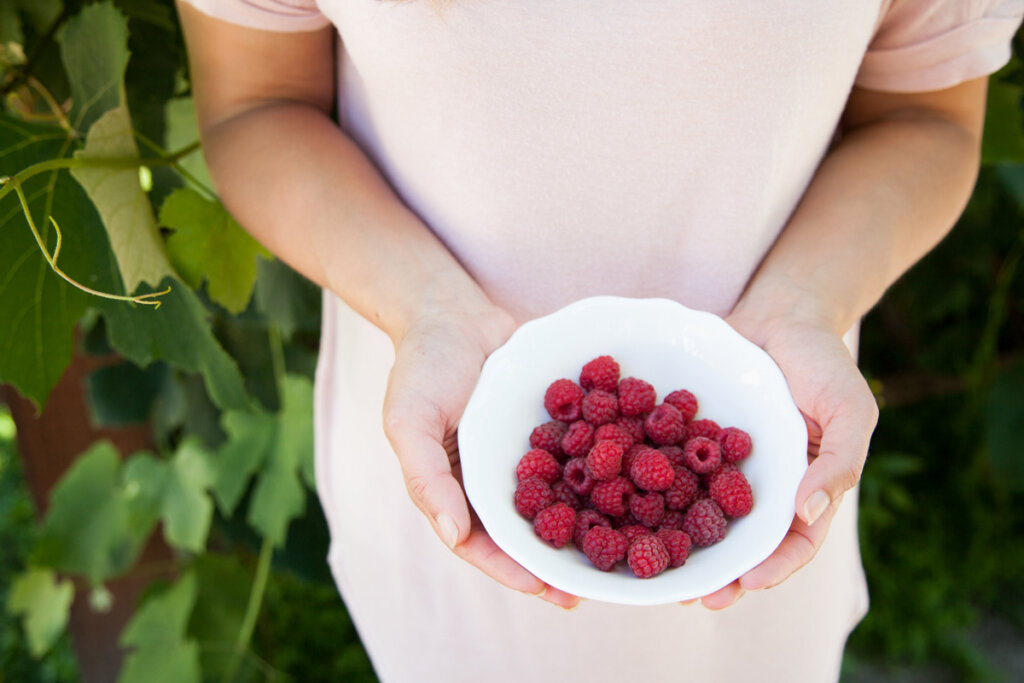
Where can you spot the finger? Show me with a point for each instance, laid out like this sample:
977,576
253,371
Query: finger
558,597
799,547
480,551
723,597
841,453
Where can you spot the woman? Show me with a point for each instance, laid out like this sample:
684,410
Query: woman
779,166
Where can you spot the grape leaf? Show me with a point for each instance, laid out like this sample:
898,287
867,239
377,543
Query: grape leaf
94,49
278,449
208,243
43,604
182,131
175,491
179,334
38,310
91,527
224,585
157,633
286,298
121,202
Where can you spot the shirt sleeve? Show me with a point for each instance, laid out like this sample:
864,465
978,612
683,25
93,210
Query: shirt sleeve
269,15
922,45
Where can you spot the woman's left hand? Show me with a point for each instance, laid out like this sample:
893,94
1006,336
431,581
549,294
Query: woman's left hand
841,414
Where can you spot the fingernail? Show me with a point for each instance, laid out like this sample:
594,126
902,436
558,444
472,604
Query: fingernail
814,506
447,529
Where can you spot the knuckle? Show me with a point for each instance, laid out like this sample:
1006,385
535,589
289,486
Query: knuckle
418,485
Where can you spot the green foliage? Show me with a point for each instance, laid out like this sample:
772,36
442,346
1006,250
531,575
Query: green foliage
44,603
162,653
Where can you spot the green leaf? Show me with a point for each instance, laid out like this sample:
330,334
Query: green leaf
286,298
121,201
124,394
224,585
175,492
279,448
43,604
182,131
209,244
157,634
179,334
94,48
91,527
38,310
1003,140
1004,428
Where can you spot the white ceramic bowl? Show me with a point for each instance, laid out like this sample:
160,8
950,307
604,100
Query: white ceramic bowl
672,347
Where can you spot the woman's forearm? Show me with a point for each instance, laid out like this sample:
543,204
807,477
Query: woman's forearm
885,195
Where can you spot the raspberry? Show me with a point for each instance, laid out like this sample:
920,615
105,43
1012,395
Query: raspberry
585,521
665,425
724,467
636,397
684,402
634,531
735,444
578,439
634,426
555,524
601,373
533,495
673,519
600,407
731,491
648,508
604,547
706,428
564,400
702,455
604,460
683,490
538,463
650,470
612,497
648,557
704,522
630,455
547,436
577,477
564,494
615,434
677,543
674,455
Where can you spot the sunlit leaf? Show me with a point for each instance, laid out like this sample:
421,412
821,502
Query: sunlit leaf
94,48
161,653
43,603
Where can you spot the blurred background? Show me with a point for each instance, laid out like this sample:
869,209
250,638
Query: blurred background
157,517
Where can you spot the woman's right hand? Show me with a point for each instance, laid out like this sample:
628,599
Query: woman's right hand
437,364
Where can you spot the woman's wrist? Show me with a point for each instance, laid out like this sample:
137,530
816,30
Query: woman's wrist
774,300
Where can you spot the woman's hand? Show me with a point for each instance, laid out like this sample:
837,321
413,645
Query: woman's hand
841,414
437,364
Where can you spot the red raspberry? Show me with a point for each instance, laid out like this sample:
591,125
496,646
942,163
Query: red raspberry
634,426
604,460
648,508
702,455
564,494
648,557
724,467
564,400
629,456
704,522
555,524
601,373
650,471
612,497
538,463
735,444
665,425
731,491
678,545
533,495
685,403
615,434
577,477
585,521
604,547
636,397
578,439
674,455
547,436
600,407
634,531
709,429
673,519
683,490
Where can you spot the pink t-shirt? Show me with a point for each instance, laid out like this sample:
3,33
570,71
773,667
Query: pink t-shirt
581,147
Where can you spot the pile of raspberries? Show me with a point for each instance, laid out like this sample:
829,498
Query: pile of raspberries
627,478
